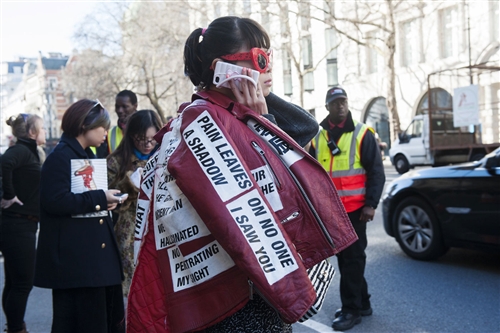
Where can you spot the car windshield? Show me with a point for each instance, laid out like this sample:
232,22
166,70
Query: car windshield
495,152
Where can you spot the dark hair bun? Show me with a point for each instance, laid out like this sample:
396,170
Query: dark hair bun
10,121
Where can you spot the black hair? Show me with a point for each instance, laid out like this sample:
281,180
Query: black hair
225,35
130,94
137,125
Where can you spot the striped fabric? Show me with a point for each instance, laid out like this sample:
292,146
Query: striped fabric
321,276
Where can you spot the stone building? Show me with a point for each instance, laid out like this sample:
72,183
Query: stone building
320,44
38,90
11,76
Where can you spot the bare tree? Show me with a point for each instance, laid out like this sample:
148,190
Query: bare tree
153,53
91,74
353,21
293,41
359,18
356,23
136,46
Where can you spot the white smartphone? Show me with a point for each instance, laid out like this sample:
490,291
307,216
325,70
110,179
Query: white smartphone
122,196
225,71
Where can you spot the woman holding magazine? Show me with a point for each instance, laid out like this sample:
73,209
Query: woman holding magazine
77,256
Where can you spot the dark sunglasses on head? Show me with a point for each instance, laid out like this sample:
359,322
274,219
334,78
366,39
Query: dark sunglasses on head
260,59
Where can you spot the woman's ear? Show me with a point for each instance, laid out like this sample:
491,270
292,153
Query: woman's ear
214,62
32,133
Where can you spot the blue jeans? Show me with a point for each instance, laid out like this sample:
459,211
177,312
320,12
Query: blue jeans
17,243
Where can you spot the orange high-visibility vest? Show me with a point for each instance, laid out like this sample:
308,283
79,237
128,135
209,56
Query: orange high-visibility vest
345,169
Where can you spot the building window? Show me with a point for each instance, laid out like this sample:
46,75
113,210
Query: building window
329,11
287,72
284,19
494,21
331,58
265,21
231,10
308,62
371,53
217,9
52,83
309,81
332,72
441,102
449,26
247,7
410,41
305,16
331,43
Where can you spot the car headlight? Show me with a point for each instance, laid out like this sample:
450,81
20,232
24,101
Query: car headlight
390,188
398,185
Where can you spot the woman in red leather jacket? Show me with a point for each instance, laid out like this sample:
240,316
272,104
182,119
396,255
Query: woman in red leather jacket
237,209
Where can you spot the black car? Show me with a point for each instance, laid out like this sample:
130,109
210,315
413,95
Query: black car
430,210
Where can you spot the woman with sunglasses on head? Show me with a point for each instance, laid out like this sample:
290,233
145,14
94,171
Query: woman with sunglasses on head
238,210
21,165
124,172
77,254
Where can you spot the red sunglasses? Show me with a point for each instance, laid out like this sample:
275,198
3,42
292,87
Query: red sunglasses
260,59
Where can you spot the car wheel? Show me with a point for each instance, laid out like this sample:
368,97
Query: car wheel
401,164
417,230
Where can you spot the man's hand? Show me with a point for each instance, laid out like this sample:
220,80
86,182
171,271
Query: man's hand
367,214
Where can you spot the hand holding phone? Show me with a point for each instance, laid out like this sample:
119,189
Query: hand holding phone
121,196
225,71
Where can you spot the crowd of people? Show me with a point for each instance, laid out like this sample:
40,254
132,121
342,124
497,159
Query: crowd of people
237,211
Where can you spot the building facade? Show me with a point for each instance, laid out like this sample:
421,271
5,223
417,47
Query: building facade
37,89
378,49
386,54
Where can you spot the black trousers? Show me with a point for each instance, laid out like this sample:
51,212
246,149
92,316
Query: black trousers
85,310
17,243
353,287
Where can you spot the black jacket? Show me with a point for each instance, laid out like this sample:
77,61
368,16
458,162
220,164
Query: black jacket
73,252
371,159
21,177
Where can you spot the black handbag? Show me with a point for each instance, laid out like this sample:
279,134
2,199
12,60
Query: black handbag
321,276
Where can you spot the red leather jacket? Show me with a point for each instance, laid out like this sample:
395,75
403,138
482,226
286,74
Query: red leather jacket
236,207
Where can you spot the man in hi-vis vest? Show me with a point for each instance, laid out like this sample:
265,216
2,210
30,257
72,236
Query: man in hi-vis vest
349,152
125,105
